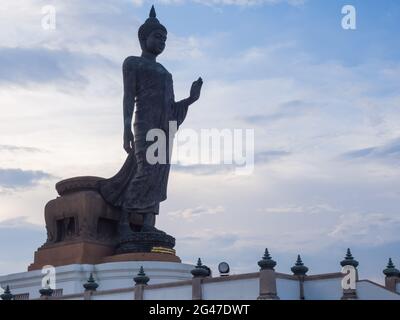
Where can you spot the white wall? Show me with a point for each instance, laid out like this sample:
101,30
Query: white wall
369,291
109,276
173,293
246,289
120,275
325,289
288,289
114,296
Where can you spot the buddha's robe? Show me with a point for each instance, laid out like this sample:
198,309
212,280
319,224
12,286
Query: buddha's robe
140,186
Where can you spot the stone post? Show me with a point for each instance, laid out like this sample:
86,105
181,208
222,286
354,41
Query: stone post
199,273
46,292
300,270
351,264
268,289
90,287
141,281
7,295
392,276
139,291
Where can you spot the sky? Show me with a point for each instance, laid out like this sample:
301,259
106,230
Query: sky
323,103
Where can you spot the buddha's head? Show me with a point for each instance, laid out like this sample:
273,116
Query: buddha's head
152,35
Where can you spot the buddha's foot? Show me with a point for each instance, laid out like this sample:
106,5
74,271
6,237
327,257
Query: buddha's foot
147,228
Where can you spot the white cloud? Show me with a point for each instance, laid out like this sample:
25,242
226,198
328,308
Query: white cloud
370,229
200,211
312,209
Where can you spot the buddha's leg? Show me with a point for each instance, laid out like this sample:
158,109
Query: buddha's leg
149,219
124,228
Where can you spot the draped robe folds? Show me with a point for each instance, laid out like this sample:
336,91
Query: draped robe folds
140,186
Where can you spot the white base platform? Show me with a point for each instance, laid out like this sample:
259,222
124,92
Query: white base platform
115,275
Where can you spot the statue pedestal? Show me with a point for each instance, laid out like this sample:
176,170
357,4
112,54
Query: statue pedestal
83,229
145,242
62,254
91,253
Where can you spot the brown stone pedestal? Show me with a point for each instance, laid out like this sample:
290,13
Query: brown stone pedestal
82,229
145,256
82,252
90,253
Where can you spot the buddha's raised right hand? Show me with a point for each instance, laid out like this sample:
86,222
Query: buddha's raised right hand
128,140
195,90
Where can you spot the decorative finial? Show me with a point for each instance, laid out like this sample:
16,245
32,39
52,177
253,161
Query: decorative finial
266,263
349,260
152,12
391,270
141,278
7,295
200,270
91,284
299,269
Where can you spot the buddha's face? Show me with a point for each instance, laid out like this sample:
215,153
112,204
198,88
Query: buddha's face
155,42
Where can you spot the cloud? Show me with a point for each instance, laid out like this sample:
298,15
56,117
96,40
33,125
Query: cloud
287,110
49,66
18,178
268,156
20,222
370,229
293,209
192,213
18,241
387,151
13,148
260,158
204,169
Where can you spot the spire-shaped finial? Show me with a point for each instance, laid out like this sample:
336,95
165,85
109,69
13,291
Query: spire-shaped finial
200,270
349,260
299,269
141,271
266,256
391,270
91,284
141,277
7,295
298,261
266,263
152,12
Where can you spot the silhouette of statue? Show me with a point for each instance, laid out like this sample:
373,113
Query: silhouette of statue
140,186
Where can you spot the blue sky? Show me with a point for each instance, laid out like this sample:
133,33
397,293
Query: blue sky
323,102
